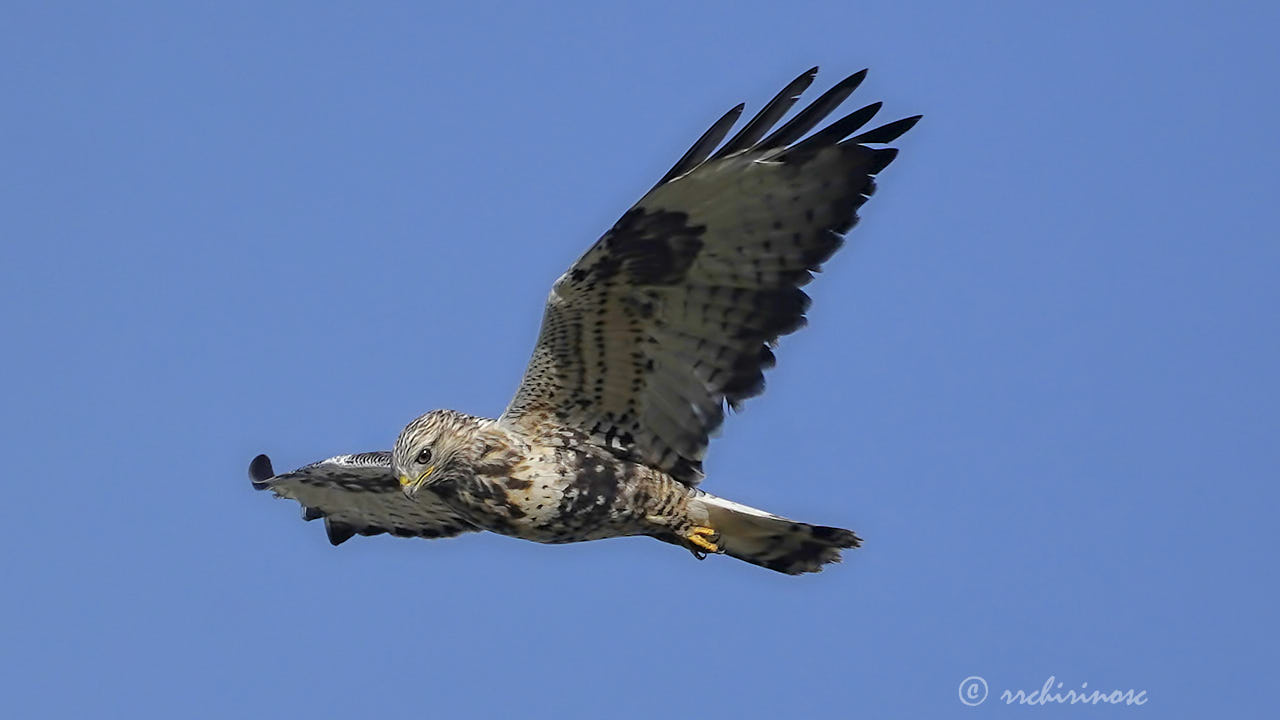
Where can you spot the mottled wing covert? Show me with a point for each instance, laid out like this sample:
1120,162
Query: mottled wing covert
673,312
359,495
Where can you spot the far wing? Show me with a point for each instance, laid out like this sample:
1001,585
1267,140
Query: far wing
675,310
359,495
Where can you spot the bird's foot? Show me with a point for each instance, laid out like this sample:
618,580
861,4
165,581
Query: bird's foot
702,540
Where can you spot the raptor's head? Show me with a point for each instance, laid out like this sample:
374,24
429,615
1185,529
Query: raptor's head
431,448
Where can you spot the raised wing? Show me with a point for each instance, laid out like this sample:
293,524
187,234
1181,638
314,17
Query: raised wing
673,312
359,495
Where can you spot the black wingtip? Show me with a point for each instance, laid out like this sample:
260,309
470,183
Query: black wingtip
888,133
835,132
260,472
806,119
770,114
880,159
852,82
338,532
705,144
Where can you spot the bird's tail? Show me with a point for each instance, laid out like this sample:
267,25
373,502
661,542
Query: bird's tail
771,541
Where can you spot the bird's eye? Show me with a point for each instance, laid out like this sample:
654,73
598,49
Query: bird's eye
424,456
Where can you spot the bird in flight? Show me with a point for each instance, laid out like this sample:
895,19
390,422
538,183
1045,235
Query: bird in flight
667,319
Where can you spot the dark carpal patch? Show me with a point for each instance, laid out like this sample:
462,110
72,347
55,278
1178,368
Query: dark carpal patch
653,247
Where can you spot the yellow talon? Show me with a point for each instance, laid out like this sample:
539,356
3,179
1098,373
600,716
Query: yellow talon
697,537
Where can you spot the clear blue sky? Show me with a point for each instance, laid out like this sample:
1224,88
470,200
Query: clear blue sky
1040,381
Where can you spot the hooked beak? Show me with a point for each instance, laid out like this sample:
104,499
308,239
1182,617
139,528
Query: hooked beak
410,486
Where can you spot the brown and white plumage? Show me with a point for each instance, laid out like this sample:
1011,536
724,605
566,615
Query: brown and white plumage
668,317
358,495
674,311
